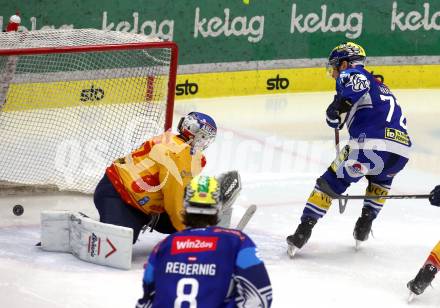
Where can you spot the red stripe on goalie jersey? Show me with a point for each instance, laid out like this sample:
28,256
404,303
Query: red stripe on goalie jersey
144,149
150,179
113,176
170,196
434,257
115,179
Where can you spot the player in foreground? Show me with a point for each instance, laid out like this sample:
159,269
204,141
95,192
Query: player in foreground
205,265
432,264
146,187
378,147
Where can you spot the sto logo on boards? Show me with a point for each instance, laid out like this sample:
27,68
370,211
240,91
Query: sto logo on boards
187,88
277,83
92,94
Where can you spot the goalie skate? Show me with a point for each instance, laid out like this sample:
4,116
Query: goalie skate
422,280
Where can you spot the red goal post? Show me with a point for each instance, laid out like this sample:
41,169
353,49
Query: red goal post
72,101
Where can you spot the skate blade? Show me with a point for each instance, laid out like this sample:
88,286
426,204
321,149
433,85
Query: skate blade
291,251
357,245
411,296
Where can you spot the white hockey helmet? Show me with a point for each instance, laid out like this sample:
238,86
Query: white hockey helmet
198,129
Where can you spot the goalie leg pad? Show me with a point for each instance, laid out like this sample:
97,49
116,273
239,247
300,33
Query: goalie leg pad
55,231
89,240
101,243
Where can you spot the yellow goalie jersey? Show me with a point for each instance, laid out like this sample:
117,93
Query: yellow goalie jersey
153,177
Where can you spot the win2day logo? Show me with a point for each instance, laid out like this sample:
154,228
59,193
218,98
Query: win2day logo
187,88
92,94
277,83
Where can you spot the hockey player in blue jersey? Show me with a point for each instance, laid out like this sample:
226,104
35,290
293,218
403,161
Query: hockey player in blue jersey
378,147
205,266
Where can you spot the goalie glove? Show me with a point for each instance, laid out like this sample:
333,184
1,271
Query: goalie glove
230,187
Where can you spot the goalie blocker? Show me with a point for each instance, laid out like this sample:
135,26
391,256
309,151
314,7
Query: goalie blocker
230,187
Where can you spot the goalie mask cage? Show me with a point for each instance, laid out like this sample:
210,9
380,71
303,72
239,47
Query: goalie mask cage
72,101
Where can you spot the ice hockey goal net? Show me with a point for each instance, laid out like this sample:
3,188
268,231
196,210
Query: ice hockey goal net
71,101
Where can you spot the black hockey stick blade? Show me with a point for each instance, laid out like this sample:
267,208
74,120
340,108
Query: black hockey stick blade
325,188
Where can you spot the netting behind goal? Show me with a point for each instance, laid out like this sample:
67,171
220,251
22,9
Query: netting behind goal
72,101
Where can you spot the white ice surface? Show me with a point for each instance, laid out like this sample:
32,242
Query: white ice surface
280,144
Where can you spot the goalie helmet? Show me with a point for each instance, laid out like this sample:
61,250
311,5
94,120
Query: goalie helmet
202,196
198,129
351,52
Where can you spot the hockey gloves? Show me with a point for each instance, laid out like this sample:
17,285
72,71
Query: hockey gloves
339,106
435,196
230,187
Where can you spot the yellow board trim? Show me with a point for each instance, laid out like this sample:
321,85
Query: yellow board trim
25,96
300,80
65,94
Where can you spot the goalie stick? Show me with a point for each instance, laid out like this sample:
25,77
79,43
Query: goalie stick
325,188
250,211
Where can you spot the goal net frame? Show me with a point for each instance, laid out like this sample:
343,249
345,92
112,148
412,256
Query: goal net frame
12,188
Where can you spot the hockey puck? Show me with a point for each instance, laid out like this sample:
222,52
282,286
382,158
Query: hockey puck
18,210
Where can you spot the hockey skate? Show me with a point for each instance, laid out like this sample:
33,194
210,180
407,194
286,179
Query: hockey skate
363,225
302,234
423,279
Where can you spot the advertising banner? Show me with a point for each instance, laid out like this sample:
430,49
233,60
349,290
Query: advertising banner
264,46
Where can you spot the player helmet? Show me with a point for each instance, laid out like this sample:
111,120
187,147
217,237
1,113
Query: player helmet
351,52
198,128
202,196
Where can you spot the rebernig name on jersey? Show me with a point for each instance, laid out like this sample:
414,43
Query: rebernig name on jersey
190,269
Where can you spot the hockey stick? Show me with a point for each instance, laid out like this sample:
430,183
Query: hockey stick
325,188
250,211
342,204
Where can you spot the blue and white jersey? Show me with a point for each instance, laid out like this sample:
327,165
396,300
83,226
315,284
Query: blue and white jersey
376,118
207,267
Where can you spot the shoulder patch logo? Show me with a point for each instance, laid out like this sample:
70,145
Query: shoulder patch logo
358,82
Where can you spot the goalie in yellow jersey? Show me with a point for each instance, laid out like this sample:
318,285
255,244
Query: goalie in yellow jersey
146,187
432,264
